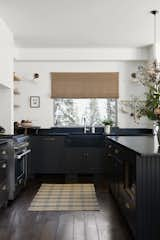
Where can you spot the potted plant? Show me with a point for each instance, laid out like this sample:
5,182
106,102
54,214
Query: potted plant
108,123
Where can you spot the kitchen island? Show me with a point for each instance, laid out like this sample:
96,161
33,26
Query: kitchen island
135,182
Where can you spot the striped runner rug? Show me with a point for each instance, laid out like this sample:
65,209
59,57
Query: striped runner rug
65,197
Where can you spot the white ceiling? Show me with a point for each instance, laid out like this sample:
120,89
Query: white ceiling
80,23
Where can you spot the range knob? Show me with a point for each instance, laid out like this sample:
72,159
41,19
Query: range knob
4,187
4,152
116,151
4,165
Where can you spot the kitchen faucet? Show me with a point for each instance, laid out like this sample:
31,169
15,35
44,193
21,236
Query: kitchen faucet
85,126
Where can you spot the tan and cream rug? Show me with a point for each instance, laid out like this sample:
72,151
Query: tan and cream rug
65,197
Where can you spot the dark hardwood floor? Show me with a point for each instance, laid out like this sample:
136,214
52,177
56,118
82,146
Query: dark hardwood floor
17,223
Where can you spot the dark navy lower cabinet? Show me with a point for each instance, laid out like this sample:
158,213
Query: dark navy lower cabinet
47,154
84,160
135,185
53,155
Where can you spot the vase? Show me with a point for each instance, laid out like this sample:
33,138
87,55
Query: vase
155,127
107,129
158,134
156,130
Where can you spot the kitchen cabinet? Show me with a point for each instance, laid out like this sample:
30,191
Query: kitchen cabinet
84,160
84,153
47,154
52,154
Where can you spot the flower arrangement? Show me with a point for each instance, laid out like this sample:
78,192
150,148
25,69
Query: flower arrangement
149,77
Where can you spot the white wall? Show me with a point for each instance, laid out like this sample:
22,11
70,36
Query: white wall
6,55
6,109
42,88
83,54
6,78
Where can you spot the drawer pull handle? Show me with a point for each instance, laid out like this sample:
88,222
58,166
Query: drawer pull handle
110,146
4,165
116,151
4,188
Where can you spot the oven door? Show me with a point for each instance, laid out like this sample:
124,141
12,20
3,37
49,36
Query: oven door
21,166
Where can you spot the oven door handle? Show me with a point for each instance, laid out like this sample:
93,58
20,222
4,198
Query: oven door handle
23,154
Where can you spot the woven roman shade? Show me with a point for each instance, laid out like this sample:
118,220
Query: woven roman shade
85,85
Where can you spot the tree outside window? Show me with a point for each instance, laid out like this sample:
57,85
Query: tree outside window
71,112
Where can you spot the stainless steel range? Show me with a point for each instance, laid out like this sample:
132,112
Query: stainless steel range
18,153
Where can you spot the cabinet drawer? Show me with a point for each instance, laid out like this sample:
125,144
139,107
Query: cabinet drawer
117,151
113,150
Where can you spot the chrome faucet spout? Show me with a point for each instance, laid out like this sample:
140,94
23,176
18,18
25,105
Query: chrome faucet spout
85,126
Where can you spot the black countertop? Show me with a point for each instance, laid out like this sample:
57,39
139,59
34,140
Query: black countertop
144,145
64,131
72,134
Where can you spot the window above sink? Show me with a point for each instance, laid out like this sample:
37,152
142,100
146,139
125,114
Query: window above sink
69,112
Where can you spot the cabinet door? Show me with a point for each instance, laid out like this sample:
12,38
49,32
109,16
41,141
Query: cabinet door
85,160
74,161
48,154
36,153
95,160
53,154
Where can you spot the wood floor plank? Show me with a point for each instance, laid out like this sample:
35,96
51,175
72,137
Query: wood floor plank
65,228
4,233
91,231
49,230
32,233
79,226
